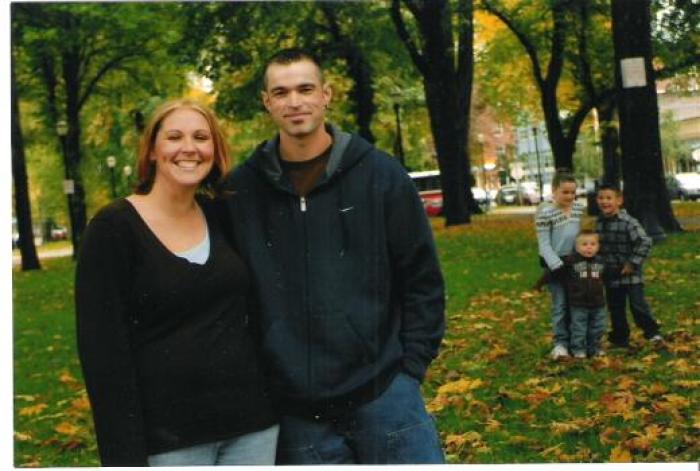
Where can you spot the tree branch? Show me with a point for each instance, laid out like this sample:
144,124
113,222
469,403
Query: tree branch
106,67
667,72
556,61
466,39
582,43
416,56
530,49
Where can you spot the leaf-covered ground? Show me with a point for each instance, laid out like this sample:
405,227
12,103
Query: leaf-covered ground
497,396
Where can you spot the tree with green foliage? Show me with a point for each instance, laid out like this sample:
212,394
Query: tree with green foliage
73,49
440,44
563,34
232,41
677,153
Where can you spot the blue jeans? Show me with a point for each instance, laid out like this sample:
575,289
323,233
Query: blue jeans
641,312
587,329
560,314
256,448
392,429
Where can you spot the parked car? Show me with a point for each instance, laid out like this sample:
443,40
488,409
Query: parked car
58,233
684,186
508,194
38,237
429,189
15,233
480,195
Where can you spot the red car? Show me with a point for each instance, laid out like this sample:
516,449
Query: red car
429,190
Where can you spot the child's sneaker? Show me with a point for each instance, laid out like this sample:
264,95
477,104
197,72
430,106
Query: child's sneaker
580,355
559,351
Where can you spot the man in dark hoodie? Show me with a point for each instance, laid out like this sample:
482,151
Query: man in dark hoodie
351,295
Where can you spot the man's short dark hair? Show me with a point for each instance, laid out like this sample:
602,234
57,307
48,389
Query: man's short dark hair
289,56
609,186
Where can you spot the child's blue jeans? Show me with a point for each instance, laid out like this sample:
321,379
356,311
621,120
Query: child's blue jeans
392,429
560,314
587,329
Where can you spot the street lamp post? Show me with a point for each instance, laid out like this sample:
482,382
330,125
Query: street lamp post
111,163
398,144
127,175
399,137
537,153
480,140
68,182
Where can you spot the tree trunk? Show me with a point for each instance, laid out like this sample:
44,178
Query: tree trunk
71,77
610,142
447,80
360,71
646,197
362,91
562,151
23,208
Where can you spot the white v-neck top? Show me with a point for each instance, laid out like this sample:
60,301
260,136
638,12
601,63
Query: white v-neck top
198,254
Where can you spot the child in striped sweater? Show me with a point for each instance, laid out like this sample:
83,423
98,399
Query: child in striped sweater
557,225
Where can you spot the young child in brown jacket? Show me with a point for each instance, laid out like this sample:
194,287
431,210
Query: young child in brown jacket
585,290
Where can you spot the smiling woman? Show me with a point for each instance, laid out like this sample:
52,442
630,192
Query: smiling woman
177,122
162,309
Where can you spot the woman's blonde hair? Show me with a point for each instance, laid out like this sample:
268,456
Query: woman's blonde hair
146,168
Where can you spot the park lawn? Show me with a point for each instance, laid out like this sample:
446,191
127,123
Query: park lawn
497,396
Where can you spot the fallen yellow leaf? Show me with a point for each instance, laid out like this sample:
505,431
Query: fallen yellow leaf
460,386
620,455
67,428
32,410
687,384
22,437
82,403
492,425
67,378
605,436
626,382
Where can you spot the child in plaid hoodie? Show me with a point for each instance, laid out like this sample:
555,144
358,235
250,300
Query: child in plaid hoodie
624,245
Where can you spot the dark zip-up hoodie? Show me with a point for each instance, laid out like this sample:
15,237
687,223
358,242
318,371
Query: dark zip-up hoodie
348,280
584,283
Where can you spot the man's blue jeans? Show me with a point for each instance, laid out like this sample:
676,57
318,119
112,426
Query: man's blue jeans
392,429
560,314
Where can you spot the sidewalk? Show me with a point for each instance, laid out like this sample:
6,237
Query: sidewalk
49,253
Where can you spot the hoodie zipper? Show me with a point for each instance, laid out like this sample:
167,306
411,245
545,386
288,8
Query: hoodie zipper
306,303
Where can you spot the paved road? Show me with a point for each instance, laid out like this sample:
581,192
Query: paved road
54,253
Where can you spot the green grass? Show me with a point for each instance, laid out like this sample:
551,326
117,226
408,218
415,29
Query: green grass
47,372
638,404
502,399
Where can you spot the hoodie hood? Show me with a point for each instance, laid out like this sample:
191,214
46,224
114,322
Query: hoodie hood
346,151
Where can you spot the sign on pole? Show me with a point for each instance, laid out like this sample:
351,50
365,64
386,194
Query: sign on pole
516,170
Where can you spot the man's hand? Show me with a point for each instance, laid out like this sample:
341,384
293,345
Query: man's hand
627,269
